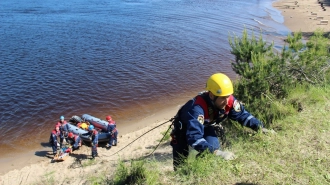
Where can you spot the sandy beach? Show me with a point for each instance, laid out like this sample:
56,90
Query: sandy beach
304,15
35,167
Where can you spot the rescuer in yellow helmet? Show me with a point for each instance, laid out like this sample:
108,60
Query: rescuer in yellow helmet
197,123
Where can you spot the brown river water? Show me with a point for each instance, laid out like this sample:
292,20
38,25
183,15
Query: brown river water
126,58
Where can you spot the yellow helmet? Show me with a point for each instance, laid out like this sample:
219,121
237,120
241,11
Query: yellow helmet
220,85
84,126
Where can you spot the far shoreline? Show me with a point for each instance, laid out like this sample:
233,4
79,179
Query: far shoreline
304,16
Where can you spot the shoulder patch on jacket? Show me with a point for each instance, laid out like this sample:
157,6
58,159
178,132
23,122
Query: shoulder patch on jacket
237,106
201,119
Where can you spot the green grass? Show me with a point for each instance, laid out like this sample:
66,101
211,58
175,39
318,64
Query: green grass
101,178
89,162
48,178
166,136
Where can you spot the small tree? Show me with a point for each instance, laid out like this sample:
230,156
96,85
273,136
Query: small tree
266,76
308,62
243,47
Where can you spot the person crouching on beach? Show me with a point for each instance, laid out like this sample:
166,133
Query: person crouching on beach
94,140
74,140
53,139
112,130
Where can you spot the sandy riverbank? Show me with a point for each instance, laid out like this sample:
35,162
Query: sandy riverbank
304,15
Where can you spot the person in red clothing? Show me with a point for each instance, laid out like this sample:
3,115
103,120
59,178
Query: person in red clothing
64,129
74,140
112,130
53,139
94,140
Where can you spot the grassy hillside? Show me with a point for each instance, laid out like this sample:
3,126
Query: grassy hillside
288,91
299,153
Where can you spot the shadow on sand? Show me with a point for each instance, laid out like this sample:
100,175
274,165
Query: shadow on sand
45,144
78,158
47,154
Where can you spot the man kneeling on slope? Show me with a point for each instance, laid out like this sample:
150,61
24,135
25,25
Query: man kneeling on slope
192,126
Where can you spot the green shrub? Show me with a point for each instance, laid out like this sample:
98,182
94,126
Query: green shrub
242,50
267,77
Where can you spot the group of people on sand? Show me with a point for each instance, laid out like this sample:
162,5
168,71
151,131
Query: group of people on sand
61,133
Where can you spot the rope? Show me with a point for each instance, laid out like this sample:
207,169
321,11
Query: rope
143,135
160,141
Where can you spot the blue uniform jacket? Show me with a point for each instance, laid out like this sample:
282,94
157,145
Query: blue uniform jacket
194,114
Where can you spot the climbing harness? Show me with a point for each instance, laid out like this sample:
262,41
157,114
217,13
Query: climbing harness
220,131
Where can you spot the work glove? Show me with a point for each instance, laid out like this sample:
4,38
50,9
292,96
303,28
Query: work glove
225,154
92,144
266,131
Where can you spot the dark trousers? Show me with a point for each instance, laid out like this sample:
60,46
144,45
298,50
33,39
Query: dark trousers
75,148
94,150
181,149
61,141
180,153
113,139
54,147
